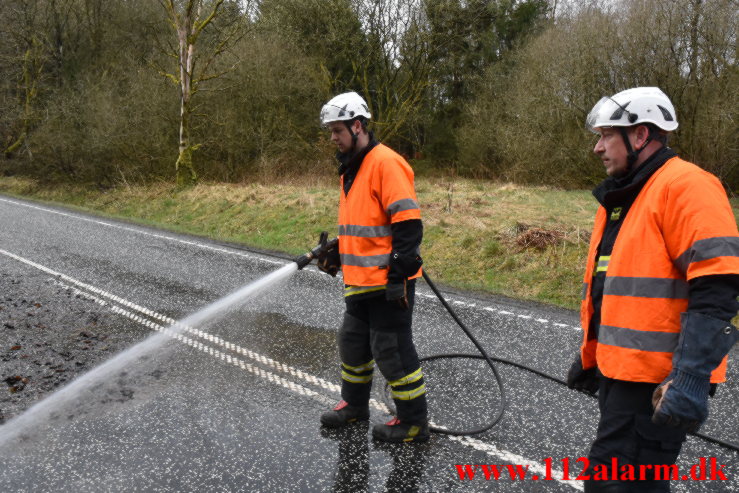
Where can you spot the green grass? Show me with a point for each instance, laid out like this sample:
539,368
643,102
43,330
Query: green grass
470,226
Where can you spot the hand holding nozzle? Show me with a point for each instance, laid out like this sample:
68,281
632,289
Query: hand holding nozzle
327,253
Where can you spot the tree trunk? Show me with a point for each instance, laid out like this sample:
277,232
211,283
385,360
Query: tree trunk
184,167
185,170
185,18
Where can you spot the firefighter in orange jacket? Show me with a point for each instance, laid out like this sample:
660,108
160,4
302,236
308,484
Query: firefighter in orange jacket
660,290
380,234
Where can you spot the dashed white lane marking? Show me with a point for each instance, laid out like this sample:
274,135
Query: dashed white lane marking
271,377
260,258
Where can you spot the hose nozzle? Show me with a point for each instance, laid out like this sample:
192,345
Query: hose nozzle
322,247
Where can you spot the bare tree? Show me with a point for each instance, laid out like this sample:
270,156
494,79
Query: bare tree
394,70
189,19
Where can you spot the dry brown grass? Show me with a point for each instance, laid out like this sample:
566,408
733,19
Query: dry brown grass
539,238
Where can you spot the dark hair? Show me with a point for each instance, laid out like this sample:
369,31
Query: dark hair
657,133
361,119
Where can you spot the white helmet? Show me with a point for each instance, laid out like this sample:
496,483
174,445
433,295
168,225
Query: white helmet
633,107
344,107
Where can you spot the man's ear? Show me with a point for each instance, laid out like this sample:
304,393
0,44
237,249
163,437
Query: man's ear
642,135
357,127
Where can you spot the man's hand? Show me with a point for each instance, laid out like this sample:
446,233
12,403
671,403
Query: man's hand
681,401
583,380
397,292
329,260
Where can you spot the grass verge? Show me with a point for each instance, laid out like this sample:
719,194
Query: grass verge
522,242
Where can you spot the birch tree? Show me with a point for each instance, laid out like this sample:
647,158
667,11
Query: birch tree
189,19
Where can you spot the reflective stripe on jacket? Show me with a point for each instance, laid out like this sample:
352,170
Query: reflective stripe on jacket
382,194
680,227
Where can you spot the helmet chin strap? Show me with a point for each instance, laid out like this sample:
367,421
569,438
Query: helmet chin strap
354,136
632,154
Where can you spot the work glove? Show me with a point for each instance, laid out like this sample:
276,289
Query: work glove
396,292
583,380
400,269
681,400
328,260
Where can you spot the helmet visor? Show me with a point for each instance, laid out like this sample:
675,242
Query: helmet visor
328,115
591,121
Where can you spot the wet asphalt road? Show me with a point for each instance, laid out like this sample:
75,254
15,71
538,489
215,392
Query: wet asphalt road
233,404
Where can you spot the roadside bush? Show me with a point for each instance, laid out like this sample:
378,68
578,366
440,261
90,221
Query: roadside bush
106,129
264,113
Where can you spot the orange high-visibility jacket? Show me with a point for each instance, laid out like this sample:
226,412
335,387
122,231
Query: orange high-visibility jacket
679,227
382,194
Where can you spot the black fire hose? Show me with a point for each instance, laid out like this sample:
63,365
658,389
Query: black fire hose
490,361
483,355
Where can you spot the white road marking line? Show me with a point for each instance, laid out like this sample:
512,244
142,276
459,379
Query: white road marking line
147,233
240,254
260,372
474,443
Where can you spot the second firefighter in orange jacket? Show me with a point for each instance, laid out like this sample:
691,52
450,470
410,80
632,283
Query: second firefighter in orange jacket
660,288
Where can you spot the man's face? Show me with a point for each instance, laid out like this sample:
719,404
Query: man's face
612,150
340,136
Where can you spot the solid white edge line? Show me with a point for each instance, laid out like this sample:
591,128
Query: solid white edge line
241,254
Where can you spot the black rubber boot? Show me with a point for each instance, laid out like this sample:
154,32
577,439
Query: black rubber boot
396,432
344,414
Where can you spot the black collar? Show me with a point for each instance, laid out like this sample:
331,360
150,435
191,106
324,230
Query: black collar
348,161
617,191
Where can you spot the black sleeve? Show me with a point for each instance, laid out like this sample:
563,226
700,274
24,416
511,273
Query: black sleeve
715,296
407,236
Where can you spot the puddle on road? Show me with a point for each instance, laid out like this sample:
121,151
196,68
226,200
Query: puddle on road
276,336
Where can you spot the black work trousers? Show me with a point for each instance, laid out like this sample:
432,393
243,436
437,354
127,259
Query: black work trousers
377,331
626,433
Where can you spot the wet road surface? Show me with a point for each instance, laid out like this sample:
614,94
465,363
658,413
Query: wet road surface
232,404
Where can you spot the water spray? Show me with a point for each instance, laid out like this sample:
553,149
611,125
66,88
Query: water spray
68,394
